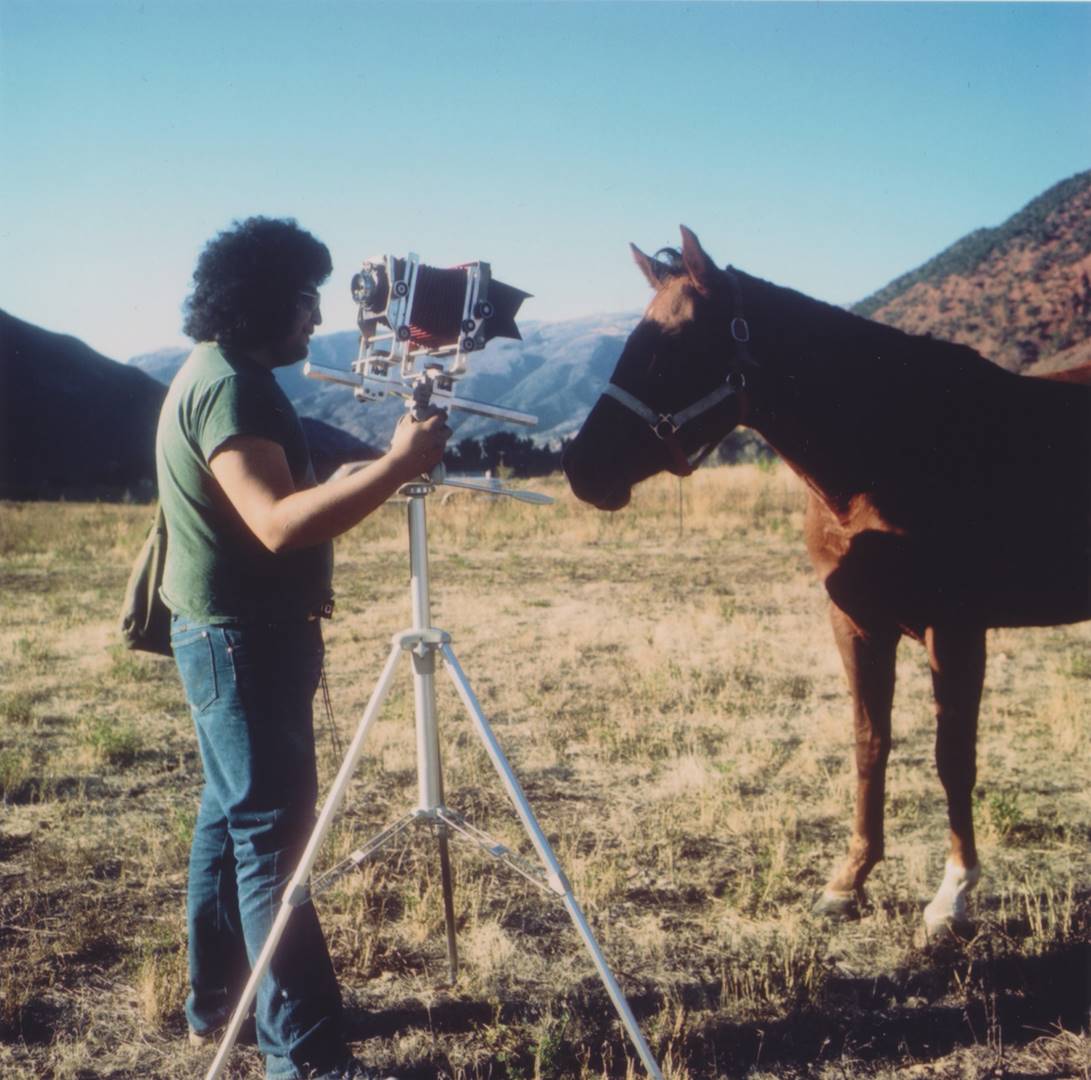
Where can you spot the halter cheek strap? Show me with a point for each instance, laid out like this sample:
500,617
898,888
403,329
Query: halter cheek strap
665,426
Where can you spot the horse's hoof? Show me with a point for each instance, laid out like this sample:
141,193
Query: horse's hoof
840,907
948,915
940,929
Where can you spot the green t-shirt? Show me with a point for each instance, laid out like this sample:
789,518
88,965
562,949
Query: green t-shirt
216,570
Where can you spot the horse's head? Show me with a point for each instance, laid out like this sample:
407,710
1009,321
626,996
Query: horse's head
676,389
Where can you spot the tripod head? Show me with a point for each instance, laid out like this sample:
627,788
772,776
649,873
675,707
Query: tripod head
421,408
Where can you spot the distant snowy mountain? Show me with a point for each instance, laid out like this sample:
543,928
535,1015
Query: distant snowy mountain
556,373
161,364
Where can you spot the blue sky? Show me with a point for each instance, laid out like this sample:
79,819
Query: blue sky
829,147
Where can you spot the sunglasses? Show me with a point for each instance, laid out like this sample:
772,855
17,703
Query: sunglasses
309,301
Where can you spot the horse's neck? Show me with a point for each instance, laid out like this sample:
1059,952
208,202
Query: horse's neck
809,448
839,398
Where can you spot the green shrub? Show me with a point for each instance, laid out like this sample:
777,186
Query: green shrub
112,743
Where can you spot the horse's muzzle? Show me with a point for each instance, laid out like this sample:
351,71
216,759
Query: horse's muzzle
589,485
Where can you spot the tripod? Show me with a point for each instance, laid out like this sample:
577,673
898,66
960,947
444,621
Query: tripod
423,642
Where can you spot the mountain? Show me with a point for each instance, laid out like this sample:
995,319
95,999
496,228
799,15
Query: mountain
1019,293
555,373
76,424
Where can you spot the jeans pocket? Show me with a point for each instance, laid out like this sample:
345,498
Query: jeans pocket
197,667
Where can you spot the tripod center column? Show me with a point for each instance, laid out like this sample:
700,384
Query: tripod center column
429,775
418,556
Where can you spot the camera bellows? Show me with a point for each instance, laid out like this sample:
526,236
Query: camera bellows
436,316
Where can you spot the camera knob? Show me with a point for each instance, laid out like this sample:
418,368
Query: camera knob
401,288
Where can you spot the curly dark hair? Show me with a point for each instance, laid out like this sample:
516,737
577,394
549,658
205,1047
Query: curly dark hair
247,279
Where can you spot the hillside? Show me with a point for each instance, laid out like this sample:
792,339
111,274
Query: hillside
1019,293
76,424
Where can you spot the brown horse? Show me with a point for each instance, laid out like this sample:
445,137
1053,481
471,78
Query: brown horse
946,496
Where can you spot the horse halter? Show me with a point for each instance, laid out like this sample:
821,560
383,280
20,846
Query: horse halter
665,426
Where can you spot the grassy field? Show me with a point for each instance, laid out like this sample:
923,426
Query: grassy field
666,686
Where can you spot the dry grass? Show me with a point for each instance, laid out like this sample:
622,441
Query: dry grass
673,704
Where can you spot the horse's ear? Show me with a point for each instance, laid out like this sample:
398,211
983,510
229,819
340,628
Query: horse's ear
646,264
702,270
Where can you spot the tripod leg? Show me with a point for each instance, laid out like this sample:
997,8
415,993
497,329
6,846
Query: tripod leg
430,781
448,899
558,882
296,892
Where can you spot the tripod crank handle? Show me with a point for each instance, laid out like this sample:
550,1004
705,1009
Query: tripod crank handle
512,493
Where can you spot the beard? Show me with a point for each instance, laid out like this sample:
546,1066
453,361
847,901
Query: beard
290,350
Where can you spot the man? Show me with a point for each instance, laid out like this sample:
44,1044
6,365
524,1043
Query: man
247,575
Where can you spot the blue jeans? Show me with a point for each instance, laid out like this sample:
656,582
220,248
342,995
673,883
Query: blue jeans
250,688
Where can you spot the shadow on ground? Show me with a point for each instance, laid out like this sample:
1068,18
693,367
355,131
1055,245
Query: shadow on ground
1005,1002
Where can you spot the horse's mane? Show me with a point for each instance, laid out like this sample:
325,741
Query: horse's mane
801,317
808,320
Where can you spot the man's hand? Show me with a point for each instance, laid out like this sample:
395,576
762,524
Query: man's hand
417,446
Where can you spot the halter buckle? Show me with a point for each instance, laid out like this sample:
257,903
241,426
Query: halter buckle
740,329
667,421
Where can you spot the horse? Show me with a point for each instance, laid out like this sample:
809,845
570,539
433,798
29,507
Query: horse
946,496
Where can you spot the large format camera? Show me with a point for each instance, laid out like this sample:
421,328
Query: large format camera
419,325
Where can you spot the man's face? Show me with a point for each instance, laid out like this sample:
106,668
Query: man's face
294,345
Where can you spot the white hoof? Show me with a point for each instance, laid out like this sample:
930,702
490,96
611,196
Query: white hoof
949,909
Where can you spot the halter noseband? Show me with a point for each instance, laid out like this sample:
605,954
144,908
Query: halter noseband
665,426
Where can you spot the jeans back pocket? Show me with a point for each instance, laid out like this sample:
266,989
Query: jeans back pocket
196,662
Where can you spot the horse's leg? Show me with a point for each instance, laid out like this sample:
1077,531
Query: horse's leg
957,658
869,659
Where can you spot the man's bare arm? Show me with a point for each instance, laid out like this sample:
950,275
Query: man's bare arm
254,475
